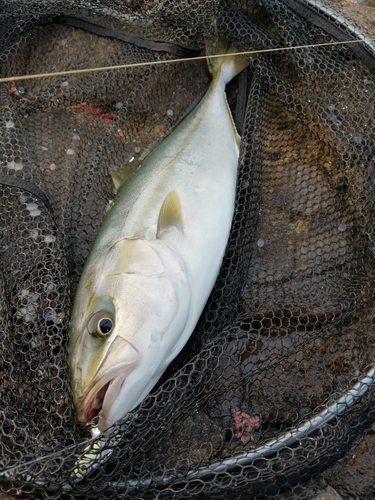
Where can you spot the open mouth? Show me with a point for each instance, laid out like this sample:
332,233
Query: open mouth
95,405
104,397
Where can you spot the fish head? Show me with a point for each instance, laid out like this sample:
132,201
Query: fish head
131,307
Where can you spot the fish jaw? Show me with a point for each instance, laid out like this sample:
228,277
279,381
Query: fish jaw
95,405
134,387
106,386
90,406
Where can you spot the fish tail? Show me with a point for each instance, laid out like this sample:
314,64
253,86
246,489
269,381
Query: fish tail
225,65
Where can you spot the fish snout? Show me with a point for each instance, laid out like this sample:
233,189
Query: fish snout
102,390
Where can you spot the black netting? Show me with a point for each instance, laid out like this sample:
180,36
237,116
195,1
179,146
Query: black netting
276,383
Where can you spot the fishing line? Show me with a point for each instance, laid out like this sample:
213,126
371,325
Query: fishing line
56,454
171,61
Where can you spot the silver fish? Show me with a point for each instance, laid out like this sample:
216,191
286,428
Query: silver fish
155,259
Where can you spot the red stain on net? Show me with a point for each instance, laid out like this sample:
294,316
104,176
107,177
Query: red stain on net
89,109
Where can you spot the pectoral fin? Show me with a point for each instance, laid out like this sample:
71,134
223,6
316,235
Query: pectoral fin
170,213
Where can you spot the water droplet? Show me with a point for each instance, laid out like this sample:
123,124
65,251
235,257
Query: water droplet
49,238
35,213
31,206
342,227
34,297
43,148
53,317
260,243
170,113
76,137
137,149
245,184
70,151
334,119
52,166
65,84
119,105
13,165
36,341
33,233
9,124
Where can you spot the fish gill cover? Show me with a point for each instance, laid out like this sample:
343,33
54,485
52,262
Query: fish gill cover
276,382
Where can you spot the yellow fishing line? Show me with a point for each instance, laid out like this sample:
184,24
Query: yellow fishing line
170,61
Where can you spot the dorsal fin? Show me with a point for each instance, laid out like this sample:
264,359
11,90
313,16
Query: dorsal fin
120,175
170,213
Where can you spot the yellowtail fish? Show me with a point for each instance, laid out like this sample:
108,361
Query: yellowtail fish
155,259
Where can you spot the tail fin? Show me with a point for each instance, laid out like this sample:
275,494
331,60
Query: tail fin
225,66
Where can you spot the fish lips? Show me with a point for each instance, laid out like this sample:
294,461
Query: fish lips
107,383
103,392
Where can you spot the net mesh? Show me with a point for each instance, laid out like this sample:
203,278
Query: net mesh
275,384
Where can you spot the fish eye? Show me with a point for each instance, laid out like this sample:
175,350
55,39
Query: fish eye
104,326
100,324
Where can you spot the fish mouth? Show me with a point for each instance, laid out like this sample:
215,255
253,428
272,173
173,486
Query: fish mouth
95,405
100,397
105,395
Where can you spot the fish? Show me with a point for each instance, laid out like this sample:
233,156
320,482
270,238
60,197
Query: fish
156,257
